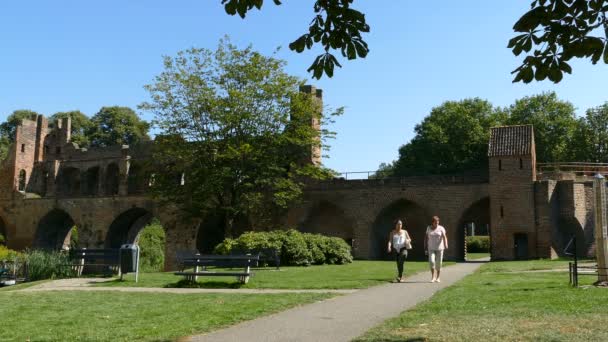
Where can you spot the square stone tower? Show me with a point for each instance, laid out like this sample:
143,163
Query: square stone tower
512,171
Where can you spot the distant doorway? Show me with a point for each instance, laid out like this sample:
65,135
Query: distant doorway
521,246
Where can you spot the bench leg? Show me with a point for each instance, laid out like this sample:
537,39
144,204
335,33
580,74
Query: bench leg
195,278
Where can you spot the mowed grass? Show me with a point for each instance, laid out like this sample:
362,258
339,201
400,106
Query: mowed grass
357,275
505,302
114,316
476,256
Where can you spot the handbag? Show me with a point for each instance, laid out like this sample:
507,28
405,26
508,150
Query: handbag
408,241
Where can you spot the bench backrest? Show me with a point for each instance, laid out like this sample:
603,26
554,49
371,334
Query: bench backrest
267,255
109,255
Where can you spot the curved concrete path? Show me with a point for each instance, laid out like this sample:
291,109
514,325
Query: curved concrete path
341,318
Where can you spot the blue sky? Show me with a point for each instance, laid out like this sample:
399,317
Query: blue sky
64,55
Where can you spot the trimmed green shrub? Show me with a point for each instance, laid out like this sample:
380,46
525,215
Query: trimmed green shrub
337,251
316,244
296,248
478,244
152,247
9,254
48,265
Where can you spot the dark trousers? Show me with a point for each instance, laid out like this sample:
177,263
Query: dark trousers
400,256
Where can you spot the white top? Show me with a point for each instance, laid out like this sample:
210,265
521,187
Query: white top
398,240
435,238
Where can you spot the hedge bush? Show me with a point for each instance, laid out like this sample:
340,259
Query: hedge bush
478,244
152,247
9,254
296,248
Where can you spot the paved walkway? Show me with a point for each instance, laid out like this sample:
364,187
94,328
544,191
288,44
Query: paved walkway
341,318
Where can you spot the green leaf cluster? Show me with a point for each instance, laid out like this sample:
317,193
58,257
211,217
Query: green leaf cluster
336,26
553,32
236,129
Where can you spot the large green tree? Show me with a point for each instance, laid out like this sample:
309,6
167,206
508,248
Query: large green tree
591,138
555,31
81,126
234,124
335,25
115,126
453,138
554,124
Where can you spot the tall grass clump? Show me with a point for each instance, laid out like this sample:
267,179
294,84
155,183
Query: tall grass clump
48,265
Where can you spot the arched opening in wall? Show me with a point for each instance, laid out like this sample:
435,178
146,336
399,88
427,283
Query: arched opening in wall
328,219
136,180
112,179
22,180
473,230
91,179
54,231
211,231
3,236
569,227
416,220
68,181
138,226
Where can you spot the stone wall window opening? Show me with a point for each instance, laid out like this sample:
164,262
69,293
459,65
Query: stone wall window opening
22,148
499,164
91,180
136,179
502,212
521,163
57,150
46,149
112,179
22,178
68,182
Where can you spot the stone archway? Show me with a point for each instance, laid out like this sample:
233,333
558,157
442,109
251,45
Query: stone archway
475,220
53,230
416,219
126,227
328,219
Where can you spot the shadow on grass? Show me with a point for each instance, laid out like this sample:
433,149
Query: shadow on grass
398,339
189,284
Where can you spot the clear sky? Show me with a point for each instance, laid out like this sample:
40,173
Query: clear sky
63,55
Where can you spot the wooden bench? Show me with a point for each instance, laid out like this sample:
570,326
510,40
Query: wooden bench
106,258
200,263
267,255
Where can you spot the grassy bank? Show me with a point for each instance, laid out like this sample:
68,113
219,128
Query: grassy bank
359,274
505,301
112,316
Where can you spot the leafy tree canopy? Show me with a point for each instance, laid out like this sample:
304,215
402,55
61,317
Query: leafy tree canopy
231,122
115,126
555,31
452,138
81,125
591,138
335,25
554,124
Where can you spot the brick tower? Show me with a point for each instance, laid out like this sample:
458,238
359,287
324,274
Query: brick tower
512,170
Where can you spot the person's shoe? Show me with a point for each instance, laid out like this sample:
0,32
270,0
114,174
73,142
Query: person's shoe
438,280
433,280
401,280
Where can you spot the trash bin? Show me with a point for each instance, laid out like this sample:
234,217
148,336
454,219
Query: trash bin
129,254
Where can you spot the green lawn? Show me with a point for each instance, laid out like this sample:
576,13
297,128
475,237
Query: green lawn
475,256
359,274
503,301
114,316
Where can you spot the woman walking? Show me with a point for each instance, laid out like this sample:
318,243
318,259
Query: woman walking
435,242
399,241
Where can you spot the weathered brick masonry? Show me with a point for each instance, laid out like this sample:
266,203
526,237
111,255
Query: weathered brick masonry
48,185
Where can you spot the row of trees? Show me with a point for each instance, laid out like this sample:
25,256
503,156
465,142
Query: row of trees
110,126
454,136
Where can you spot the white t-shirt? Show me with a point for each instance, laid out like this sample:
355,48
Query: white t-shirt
435,238
398,240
